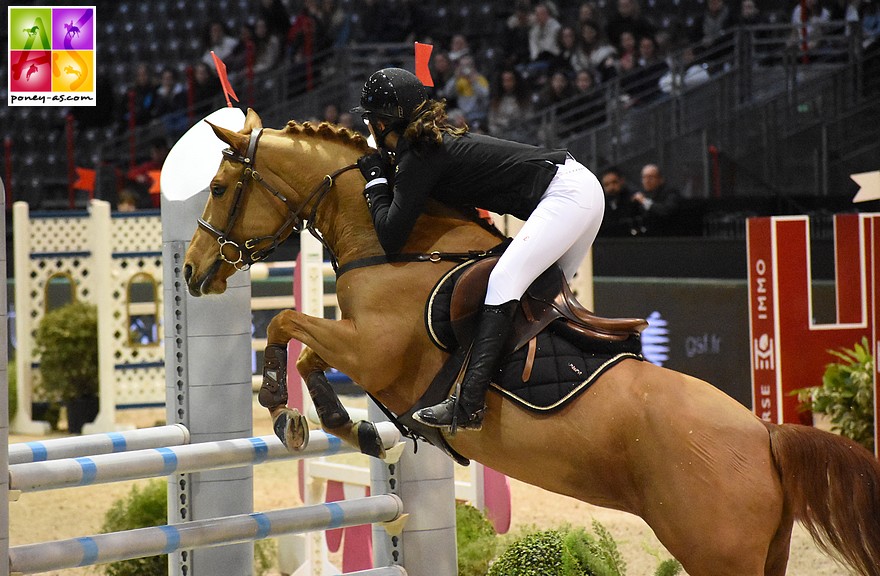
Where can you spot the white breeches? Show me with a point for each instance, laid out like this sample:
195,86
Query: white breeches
560,230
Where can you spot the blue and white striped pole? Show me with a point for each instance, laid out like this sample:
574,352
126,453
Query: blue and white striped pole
219,455
93,444
115,546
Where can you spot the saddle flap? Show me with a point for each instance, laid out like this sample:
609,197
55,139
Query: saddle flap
468,296
549,298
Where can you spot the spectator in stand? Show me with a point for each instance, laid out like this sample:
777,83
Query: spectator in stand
687,73
543,41
206,90
458,48
337,23
309,32
218,40
594,53
267,47
346,120
244,49
126,200
809,24
170,104
657,203
276,16
509,108
628,53
711,30
621,212
142,177
568,50
515,37
749,14
557,90
627,18
717,19
471,91
144,96
442,71
643,85
587,12
589,104
331,113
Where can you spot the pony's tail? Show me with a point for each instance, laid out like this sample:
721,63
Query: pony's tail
832,485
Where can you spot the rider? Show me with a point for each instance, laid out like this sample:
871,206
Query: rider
561,201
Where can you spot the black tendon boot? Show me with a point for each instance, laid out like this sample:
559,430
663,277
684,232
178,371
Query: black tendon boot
493,330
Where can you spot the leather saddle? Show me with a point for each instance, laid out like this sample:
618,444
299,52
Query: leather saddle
548,300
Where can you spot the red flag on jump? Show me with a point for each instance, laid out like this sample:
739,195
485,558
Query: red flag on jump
224,79
85,179
423,55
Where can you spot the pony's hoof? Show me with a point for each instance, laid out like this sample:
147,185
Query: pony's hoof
369,441
292,428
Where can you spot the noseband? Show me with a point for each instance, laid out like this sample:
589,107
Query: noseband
250,252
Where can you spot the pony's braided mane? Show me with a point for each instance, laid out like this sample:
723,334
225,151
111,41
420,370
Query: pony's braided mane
329,132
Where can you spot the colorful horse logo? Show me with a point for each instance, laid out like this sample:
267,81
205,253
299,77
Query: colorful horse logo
32,31
33,69
72,29
72,70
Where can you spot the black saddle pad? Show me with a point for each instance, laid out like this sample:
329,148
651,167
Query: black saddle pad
561,370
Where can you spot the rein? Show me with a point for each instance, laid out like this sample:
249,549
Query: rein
249,252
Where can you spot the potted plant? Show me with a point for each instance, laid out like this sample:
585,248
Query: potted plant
846,395
66,342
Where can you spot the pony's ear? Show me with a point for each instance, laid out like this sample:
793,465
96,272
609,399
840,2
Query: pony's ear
238,142
252,121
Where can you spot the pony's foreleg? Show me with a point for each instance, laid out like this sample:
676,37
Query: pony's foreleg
291,427
332,414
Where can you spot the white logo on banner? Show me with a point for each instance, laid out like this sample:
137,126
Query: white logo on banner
655,340
764,359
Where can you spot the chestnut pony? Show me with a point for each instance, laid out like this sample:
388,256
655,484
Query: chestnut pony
720,488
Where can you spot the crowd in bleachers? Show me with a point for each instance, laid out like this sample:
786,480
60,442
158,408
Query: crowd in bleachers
495,62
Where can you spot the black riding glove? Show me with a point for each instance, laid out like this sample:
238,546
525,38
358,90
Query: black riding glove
375,169
373,166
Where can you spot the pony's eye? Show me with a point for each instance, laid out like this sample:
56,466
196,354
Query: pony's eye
218,190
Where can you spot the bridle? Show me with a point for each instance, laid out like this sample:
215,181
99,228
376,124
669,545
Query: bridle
250,251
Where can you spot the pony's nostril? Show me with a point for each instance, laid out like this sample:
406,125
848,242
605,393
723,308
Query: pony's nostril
187,272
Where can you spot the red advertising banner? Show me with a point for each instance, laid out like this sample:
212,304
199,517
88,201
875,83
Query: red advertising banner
762,320
789,349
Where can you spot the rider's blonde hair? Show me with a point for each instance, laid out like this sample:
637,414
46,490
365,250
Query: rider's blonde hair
431,122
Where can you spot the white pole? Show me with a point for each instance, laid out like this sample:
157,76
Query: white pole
4,397
102,253
21,226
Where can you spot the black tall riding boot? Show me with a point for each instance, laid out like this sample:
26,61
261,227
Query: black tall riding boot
466,411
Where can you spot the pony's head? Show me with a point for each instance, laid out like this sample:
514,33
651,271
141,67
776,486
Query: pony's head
267,184
246,217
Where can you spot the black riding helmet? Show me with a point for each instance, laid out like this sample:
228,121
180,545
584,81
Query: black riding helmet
392,94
